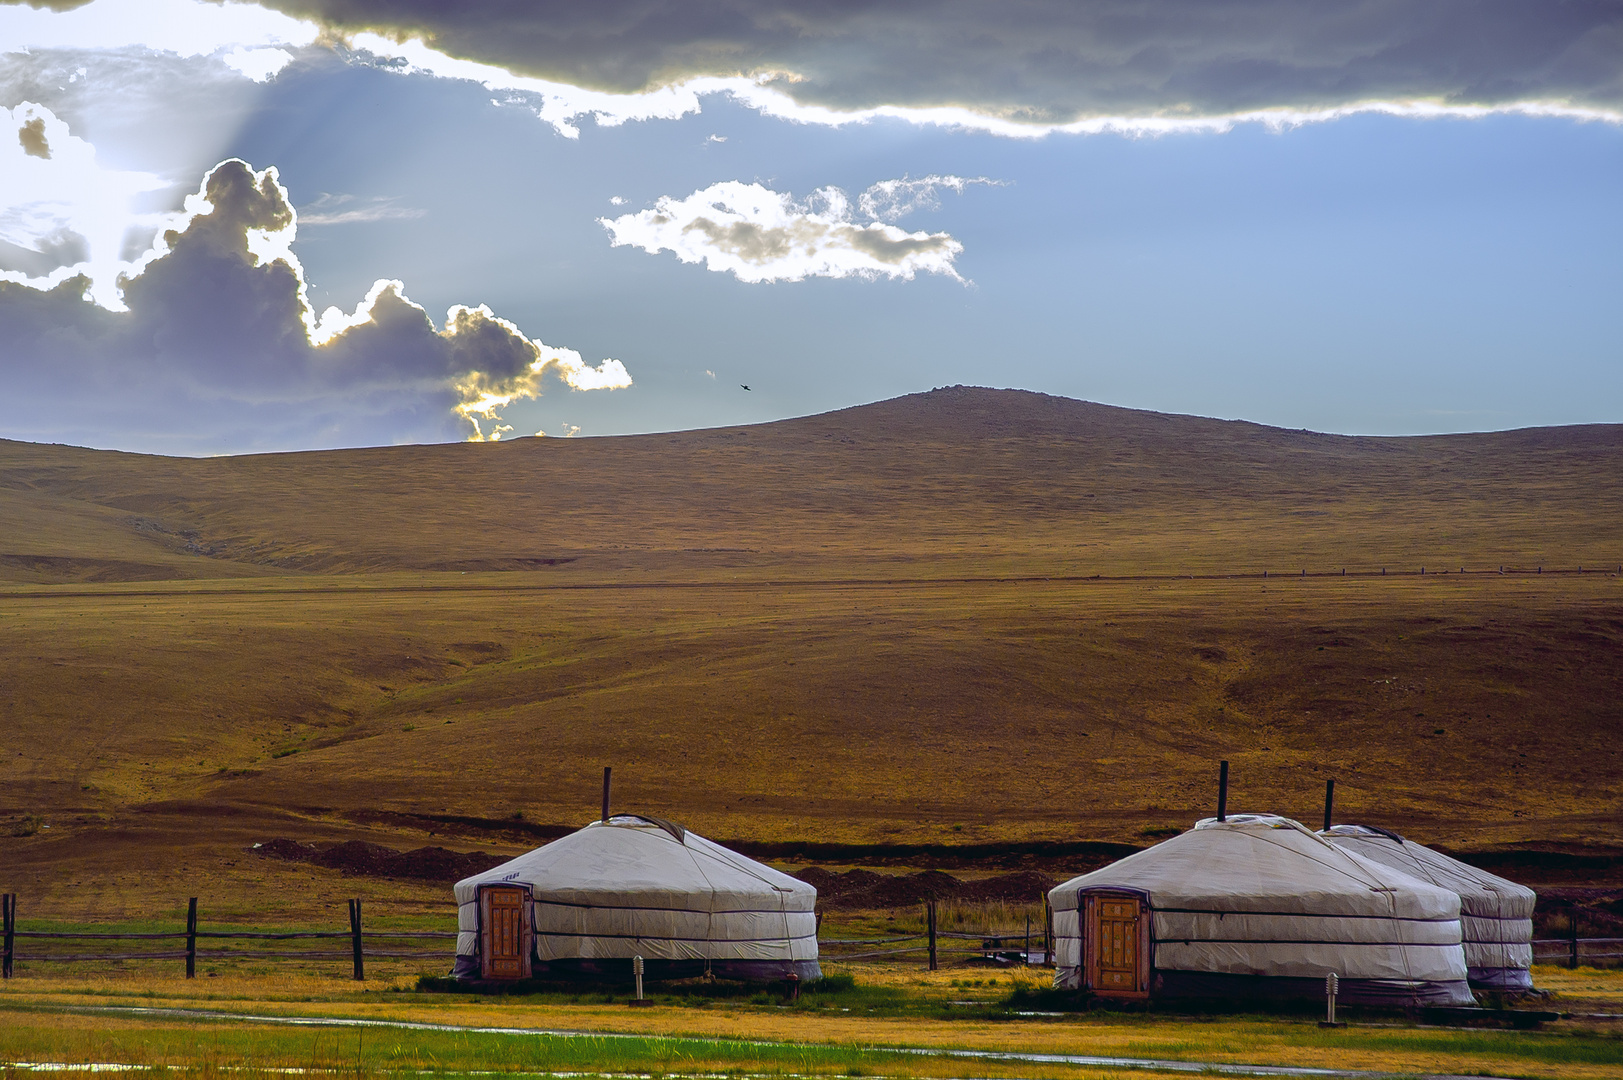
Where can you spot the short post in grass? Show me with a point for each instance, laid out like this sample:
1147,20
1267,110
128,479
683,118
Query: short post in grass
191,938
929,918
8,908
1331,985
355,939
636,974
1572,934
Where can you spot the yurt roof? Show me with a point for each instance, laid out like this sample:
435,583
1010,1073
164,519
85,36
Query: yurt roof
1481,893
653,862
1263,863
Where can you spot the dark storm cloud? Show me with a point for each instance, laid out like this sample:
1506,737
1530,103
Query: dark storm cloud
219,349
1042,61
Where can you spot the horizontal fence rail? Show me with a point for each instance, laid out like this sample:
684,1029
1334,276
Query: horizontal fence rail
1021,944
362,943
1574,950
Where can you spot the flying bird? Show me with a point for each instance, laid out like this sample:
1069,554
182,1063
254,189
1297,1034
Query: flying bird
745,387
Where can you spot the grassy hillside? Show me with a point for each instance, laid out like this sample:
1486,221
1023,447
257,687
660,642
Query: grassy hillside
964,616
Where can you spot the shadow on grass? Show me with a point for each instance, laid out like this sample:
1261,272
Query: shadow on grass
831,991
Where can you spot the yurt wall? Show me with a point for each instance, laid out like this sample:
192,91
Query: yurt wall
1496,914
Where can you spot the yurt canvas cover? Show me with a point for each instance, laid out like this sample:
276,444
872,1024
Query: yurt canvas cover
1496,915
1258,906
587,903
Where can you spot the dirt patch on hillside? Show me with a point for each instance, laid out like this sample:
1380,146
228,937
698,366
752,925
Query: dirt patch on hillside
357,858
867,890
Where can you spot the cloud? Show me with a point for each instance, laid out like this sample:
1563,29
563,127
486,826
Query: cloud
182,27
761,235
332,209
260,65
892,200
219,349
1033,66
1038,67
64,211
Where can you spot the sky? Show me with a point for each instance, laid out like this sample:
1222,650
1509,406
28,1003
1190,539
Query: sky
232,228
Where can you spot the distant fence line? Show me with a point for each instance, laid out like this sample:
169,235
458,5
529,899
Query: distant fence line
356,935
1010,945
1014,945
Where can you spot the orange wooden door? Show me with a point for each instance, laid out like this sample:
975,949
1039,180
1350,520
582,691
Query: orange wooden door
1117,964
504,927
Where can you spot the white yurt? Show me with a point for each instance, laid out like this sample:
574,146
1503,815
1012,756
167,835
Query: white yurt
1496,915
584,905
1258,906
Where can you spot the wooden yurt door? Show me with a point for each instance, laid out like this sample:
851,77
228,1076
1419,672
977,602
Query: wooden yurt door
504,932
1116,945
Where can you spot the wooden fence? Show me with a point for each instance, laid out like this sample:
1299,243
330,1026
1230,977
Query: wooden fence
1573,950
1014,945
359,940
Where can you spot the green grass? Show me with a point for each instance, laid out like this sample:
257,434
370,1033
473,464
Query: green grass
166,1043
49,1035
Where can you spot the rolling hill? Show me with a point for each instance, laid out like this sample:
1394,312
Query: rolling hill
962,617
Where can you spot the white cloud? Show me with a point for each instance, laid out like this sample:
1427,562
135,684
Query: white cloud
260,65
759,235
332,209
183,27
892,200
58,200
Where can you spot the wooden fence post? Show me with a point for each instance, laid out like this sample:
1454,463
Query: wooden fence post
929,914
191,939
355,939
9,903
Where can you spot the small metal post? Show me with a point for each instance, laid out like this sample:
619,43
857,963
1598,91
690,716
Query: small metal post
1028,939
191,939
929,915
608,771
1331,985
1222,791
1572,933
8,907
355,940
636,973
1329,802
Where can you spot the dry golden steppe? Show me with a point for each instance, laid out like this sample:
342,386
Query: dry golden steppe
962,617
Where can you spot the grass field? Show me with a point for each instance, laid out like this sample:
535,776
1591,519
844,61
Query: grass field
958,618
849,1031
